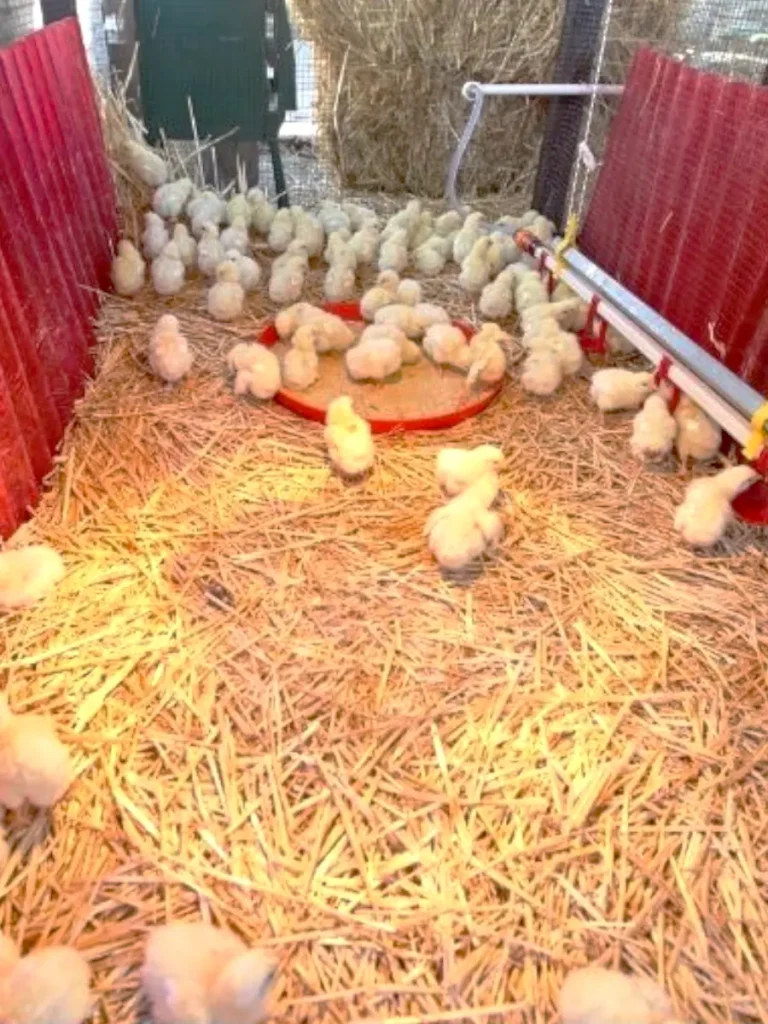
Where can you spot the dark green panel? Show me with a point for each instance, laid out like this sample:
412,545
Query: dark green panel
216,52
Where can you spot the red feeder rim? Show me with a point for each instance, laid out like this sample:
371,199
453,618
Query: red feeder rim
444,421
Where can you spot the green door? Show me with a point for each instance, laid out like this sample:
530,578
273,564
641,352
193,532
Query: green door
232,58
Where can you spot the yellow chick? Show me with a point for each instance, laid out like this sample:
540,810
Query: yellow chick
226,297
476,269
280,231
408,292
257,370
195,973
348,438
706,510
596,995
170,357
236,236
301,367
339,285
168,271
393,253
210,252
382,294
186,245
698,437
374,358
34,765
170,199
615,389
653,430
542,372
48,986
147,165
28,574
286,283
457,468
463,529
155,236
128,269
446,345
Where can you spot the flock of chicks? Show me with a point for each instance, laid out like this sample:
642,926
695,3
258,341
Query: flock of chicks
196,971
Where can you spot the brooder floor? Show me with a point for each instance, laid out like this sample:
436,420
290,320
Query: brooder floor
430,797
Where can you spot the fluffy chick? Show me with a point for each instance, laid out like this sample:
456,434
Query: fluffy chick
615,389
427,314
170,199
301,367
597,995
170,357
465,239
286,283
374,358
496,300
393,254
147,165
339,284
447,345
128,269
195,973
542,373
382,294
35,766
27,574
236,236
51,985
653,430
457,468
348,438
476,268
257,370
410,352
186,245
210,252
401,316
281,231
155,236
429,259
706,510
448,222
408,292
168,271
226,297
248,270
530,290
698,437
462,530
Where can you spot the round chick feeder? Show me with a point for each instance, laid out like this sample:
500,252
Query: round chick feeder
439,393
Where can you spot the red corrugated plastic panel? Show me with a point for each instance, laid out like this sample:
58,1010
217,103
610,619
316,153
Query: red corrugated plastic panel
679,209
57,225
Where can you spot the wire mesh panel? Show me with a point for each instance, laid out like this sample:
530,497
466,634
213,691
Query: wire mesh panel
17,18
678,211
728,38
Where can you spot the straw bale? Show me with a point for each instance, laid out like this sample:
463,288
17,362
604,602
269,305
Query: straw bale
430,797
389,77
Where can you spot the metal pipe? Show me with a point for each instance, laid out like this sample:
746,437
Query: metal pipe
477,91
721,393
470,89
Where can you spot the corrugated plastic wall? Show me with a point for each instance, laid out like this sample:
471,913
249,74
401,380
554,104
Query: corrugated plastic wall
679,210
57,225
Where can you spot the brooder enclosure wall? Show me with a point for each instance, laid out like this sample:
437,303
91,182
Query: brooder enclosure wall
57,221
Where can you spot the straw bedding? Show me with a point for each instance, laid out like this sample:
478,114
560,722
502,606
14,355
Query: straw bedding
430,796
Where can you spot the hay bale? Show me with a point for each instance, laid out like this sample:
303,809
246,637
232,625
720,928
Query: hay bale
389,104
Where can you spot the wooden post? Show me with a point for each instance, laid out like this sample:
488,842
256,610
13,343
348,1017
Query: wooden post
575,62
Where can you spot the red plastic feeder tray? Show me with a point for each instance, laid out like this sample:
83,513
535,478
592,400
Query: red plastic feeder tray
443,421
